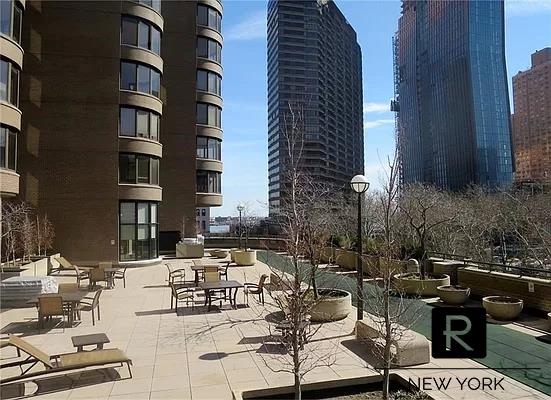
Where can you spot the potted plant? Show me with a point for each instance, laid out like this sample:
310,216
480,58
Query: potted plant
453,294
331,305
502,308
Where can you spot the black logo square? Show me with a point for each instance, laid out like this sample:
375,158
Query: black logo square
458,332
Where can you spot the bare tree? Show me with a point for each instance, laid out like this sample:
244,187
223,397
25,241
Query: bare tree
14,216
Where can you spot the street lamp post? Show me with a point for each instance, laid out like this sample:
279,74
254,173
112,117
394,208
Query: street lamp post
240,208
359,184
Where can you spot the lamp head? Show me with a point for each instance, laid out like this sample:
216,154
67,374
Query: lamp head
359,184
240,207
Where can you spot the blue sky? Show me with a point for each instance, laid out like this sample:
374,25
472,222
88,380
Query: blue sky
244,150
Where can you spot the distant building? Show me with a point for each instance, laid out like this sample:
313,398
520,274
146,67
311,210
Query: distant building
532,120
314,61
203,220
452,96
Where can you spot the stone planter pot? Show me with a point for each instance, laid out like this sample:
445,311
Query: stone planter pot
328,255
453,294
502,308
245,257
414,285
549,321
333,305
232,254
219,253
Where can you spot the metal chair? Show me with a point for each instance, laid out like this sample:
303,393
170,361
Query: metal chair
181,293
179,273
121,275
253,288
90,304
81,274
50,306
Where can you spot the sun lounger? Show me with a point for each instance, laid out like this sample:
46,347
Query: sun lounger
60,363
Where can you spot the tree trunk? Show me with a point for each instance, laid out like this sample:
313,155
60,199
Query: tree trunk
296,364
388,338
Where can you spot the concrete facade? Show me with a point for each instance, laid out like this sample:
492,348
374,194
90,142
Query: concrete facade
532,120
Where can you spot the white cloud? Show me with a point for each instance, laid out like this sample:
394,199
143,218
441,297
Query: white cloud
515,8
378,122
251,28
376,107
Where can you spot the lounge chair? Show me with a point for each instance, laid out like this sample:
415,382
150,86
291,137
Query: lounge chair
64,265
55,364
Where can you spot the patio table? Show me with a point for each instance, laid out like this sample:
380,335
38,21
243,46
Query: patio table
70,298
110,275
220,285
95,339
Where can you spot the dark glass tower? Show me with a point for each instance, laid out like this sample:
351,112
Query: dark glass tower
452,97
315,63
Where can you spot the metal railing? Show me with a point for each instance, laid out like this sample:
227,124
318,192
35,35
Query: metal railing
491,266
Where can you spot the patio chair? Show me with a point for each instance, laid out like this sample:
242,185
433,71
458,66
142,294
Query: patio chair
179,273
81,275
90,304
49,307
224,270
67,287
54,364
212,274
181,293
98,274
121,275
253,288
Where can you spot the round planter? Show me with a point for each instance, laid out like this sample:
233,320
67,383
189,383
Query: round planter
245,257
453,294
334,304
502,308
232,254
549,321
219,253
412,284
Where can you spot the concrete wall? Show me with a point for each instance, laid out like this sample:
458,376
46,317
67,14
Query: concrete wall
254,243
485,283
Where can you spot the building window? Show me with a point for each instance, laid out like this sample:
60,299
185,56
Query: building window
210,148
138,168
209,182
209,114
208,16
139,123
208,48
9,83
10,19
138,230
8,148
136,32
154,4
140,78
209,82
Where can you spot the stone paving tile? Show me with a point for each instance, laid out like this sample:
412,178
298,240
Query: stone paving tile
199,355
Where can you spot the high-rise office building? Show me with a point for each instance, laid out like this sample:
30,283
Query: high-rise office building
315,65
532,120
452,96
121,121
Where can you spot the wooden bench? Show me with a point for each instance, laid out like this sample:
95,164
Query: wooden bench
410,348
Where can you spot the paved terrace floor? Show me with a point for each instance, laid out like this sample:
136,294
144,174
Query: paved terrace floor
197,354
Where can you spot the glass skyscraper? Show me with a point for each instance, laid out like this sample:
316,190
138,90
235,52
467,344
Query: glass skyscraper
452,97
314,63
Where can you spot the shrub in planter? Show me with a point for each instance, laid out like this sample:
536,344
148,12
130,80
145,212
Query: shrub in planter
453,294
502,308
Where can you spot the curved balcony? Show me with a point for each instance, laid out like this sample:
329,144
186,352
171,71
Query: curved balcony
211,98
203,63
217,5
11,50
142,11
140,191
209,165
141,55
9,182
142,100
210,33
210,131
131,144
10,115
208,199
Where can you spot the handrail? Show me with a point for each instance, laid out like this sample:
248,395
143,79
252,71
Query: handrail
528,271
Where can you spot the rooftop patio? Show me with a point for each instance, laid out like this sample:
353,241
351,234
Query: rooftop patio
208,355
